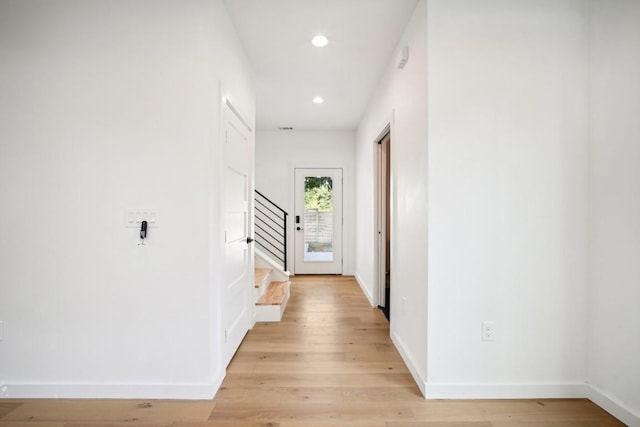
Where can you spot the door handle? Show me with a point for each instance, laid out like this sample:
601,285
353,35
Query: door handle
299,228
249,240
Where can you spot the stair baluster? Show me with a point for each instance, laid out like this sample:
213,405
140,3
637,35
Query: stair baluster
271,228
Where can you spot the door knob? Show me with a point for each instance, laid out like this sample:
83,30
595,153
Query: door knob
298,228
249,240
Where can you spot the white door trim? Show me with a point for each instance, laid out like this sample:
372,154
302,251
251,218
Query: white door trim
346,210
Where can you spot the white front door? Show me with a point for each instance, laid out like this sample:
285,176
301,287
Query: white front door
318,221
237,263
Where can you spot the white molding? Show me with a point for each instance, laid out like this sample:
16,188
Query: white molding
365,291
348,256
505,391
532,391
408,360
198,391
612,405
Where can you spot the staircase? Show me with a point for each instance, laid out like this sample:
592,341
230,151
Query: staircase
272,291
271,275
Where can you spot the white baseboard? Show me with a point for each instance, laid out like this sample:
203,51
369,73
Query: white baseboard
217,381
411,365
178,391
111,391
505,391
365,291
535,391
613,406
532,391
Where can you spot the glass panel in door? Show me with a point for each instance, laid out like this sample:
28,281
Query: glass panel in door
318,219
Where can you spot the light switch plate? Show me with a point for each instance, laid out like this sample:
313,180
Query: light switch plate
134,217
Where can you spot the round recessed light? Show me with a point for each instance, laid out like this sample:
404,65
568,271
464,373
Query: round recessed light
318,100
320,41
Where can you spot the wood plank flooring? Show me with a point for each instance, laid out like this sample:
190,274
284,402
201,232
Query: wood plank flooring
329,363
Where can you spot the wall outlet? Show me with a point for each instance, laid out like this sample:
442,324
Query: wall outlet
488,330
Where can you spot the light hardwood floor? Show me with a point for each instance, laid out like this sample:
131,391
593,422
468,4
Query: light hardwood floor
330,362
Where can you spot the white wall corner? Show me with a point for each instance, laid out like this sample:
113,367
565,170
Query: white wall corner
365,291
410,362
612,405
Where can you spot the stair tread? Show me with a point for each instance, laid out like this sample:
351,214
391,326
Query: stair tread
260,275
275,293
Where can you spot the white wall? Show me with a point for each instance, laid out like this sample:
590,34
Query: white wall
279,152
108,106
401,99
507,197
614,211
505,168
533,218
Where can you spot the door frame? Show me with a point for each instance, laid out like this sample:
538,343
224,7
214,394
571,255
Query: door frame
346,193
340,238
379,229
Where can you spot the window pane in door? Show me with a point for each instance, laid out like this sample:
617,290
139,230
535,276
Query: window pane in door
318,219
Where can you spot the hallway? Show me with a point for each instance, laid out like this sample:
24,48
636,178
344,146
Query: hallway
330,362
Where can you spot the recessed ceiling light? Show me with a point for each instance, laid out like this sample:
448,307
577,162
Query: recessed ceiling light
320,41
318,100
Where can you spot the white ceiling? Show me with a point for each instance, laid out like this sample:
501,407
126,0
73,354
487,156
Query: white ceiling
290,71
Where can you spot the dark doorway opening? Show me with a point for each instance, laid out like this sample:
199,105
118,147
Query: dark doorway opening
384,223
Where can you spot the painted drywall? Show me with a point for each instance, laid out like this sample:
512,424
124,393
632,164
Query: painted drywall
400,100
109,106
614,210
278,153
507,197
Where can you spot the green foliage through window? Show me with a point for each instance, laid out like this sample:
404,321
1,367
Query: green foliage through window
317,193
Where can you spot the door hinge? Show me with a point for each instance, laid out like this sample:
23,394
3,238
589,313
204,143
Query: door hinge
225,335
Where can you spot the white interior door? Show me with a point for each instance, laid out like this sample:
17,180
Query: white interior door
318,221
237,270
